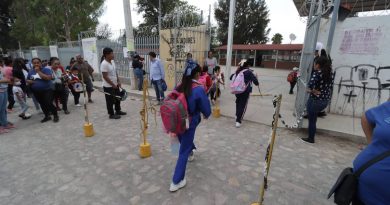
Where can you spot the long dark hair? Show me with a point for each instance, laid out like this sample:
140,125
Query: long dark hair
326,68
242,67
186,82
106,51
19,64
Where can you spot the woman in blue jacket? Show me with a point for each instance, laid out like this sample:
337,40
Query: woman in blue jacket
197,103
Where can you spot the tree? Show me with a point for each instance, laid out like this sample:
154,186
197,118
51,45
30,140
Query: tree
6,19
103,31
39,21
277,38
250,22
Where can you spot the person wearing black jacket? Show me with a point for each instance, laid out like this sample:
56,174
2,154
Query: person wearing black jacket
243,98
138,70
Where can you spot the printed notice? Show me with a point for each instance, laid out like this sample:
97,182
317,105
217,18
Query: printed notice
361,41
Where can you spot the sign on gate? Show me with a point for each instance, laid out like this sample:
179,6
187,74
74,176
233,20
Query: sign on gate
90,52
53,51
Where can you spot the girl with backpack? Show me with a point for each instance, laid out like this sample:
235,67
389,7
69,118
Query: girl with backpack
218,79
205,79
197,104
243,73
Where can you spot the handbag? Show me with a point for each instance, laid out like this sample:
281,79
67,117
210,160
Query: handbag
164,85
346,187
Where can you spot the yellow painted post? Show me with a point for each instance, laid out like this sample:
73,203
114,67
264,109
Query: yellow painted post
216,109
145,149
88,126
278,100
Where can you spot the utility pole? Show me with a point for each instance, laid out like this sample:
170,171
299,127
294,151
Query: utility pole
229,50
159,18
129,26
332,29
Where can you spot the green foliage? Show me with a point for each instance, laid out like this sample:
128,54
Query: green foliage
277,38
39,21
6,19
250,23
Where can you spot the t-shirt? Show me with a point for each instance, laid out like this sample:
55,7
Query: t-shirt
317,83
40,84
106,67
84,69
374,181
211,63
3,86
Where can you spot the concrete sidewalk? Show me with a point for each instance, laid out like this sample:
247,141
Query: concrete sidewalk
260,109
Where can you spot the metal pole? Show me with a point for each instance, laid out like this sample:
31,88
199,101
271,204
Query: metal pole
209,29
276,60
159,18
129,26
230,38
335,15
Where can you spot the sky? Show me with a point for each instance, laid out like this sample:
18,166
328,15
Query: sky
283,15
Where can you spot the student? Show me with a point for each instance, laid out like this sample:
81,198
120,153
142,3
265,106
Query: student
111,84
374,182
74,85
7,72
319,87
218,80
4,124
139,72
68,68
205,79
198,103
243,98
85,74
157,76
20,97
210,62
40,80
293,78
61,91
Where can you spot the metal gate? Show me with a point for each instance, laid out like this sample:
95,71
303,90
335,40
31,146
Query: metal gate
306,66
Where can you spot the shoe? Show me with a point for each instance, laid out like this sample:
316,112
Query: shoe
115,117
90,101
192,156
291,93
175,187
10,126
78,105
45,119
238,125
9,110
58,109
3,130
322,114
308,140
66,112
56,118
120,113
27,115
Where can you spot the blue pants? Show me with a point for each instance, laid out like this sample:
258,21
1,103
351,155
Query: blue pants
3,108
23,105
139,74
158,88
186,147
313,108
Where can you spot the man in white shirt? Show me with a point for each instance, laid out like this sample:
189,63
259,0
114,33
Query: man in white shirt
210,62
157,76
111,84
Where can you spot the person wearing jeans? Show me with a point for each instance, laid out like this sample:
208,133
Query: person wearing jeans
157,76
320,89
138,70
4,125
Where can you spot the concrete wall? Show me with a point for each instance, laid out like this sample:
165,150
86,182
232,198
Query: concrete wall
357,41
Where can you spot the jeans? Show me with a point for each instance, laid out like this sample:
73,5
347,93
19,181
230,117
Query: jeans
292,86
139,73
45,99
186,147
241,105
3,108
158,88
11,100
62,95
76,96
112,101
23,105
313,108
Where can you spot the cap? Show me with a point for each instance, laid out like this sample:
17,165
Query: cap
295,69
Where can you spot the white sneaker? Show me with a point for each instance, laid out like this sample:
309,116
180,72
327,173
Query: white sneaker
175,187
78,105
238,124
192,156
27,114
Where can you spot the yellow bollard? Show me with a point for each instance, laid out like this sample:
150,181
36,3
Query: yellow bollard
88,130
145,150
216,112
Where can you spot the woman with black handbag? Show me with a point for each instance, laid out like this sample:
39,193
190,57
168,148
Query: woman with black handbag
61,91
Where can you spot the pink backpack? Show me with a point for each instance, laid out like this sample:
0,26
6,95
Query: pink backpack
203,80
238,85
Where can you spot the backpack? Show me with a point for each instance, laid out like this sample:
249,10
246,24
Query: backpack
203,80
238,86
174,112
291,77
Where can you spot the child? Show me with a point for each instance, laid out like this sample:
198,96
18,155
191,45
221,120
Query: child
75,85
292,78
217,79
20,97
205,79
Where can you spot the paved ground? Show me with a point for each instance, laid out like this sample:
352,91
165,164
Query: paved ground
55,164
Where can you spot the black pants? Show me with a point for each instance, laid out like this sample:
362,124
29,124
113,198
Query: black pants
45,99
292,86
62,95
214,94
112,101
11,99
76,96
241,104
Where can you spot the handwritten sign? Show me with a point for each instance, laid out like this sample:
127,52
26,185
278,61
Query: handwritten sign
364,41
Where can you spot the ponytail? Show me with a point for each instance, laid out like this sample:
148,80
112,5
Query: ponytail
106,51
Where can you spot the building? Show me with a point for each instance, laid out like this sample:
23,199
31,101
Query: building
281,56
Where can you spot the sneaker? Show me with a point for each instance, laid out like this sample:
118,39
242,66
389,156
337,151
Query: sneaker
308,140
291,93
3,130
175,187
238,125
66,112
115,117
192,156
322,114
9,126
120,113
90,101
56,118
45,119
78,105
27,115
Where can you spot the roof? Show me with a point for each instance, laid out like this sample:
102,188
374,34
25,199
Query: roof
303,6
265,47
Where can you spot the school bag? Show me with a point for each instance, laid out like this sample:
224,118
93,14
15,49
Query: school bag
203,80
174,112
238,86
291,77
